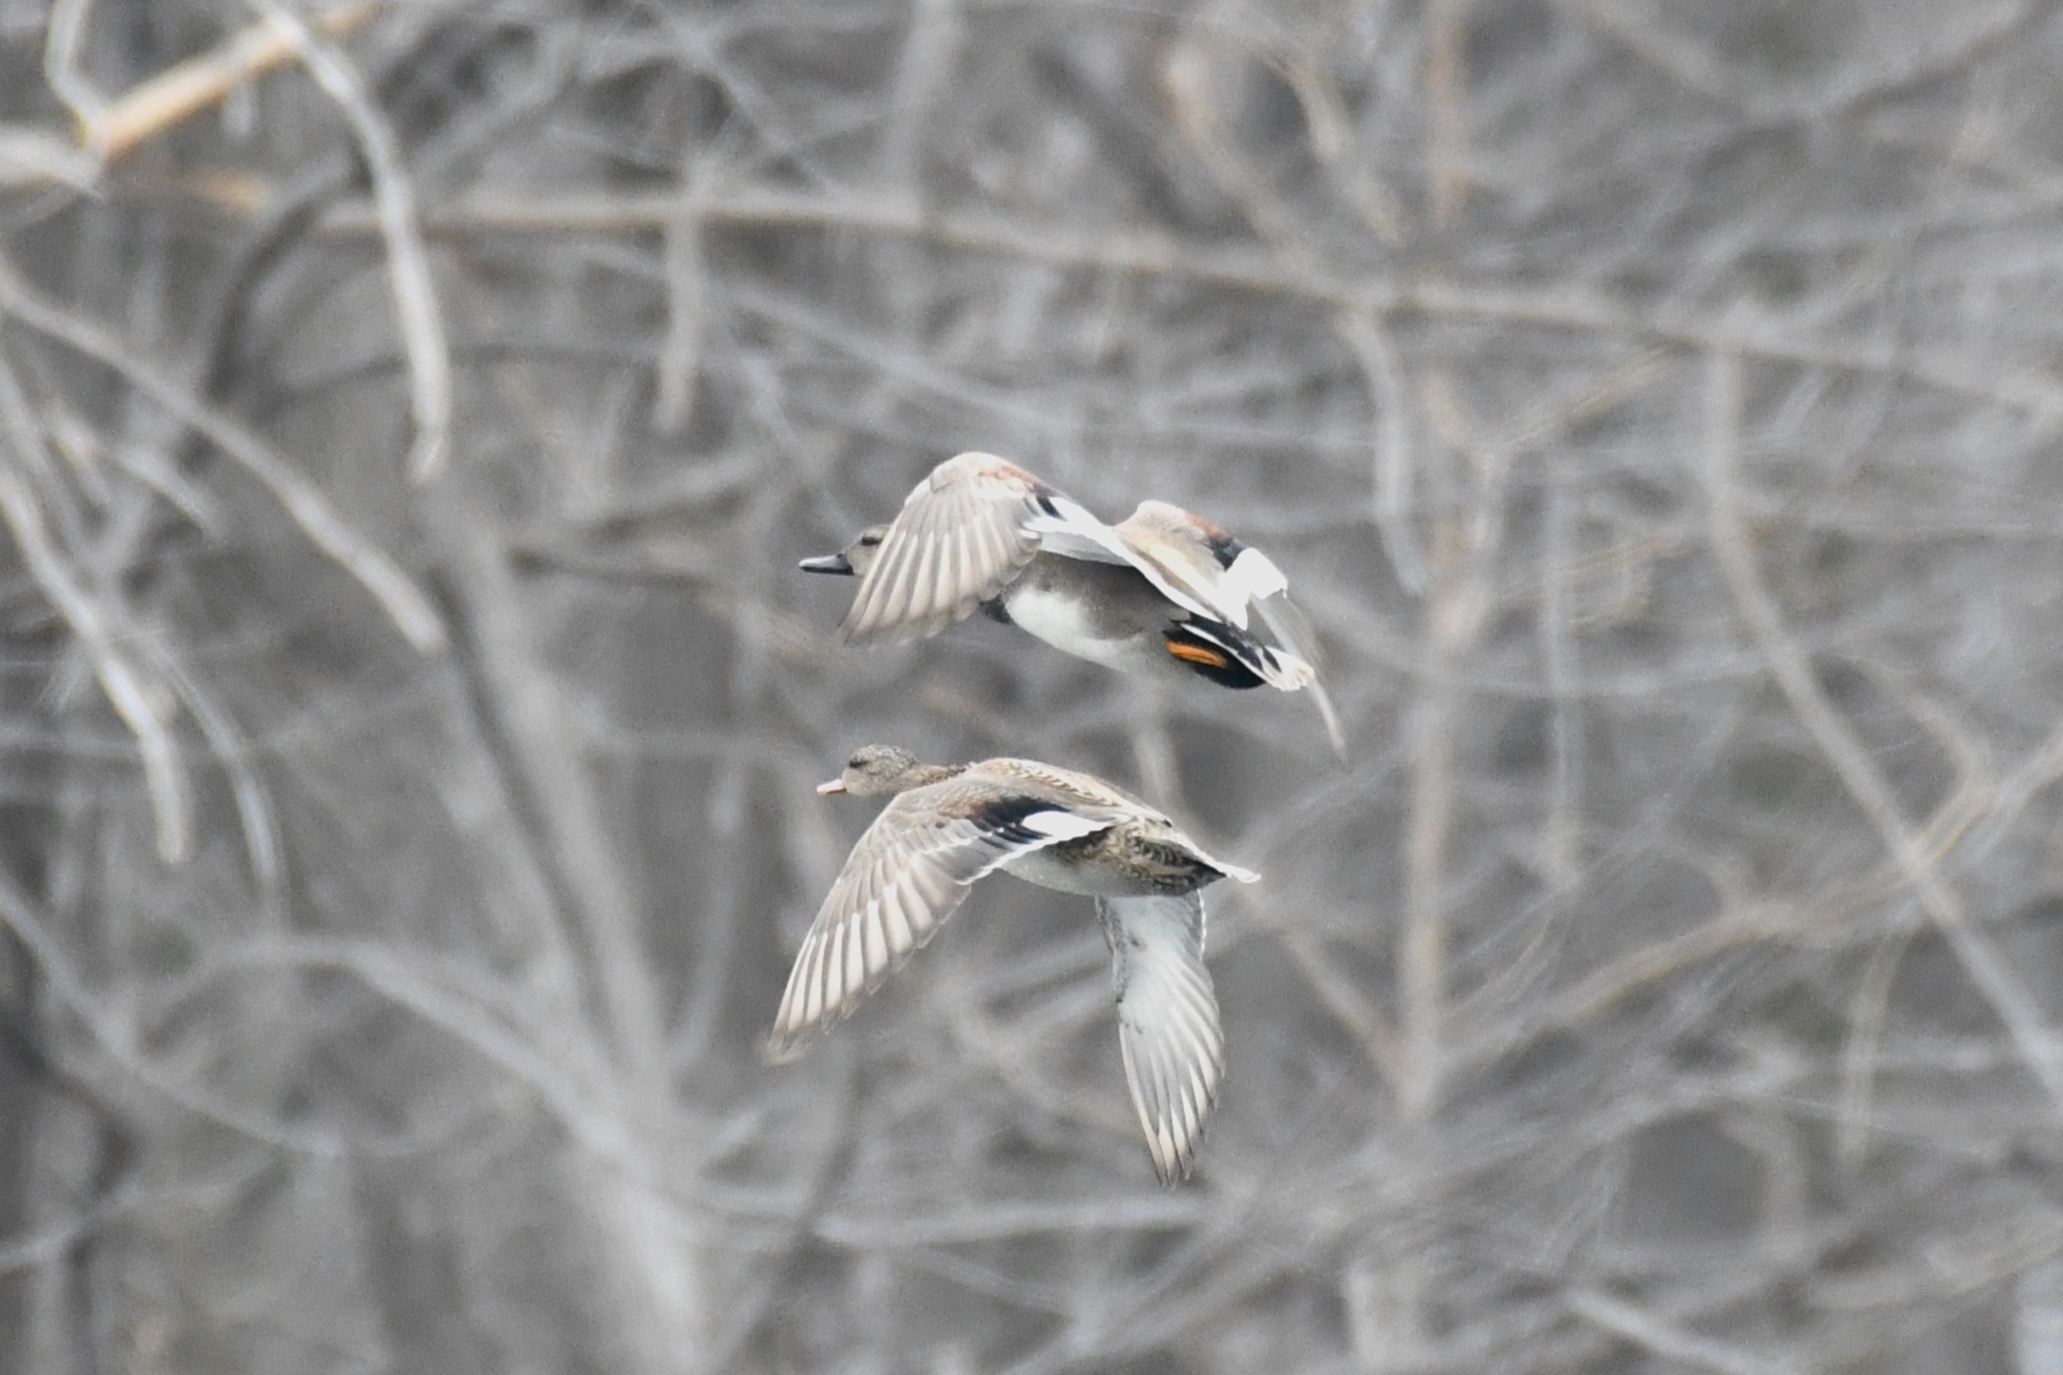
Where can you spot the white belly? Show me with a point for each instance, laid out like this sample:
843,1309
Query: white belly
1059,621
1098,880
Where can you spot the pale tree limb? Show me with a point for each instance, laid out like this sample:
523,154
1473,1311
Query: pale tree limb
1457,606
416,312
63,37
111,129
1446,89
1866,786
680,355
1367,334
1646,1328
1579,308
921,75
30,157
1422,940
1325,113
1561,833
405,604
100,627
1867,1009
263,847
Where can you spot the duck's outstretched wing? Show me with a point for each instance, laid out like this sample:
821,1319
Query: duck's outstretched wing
1223,582
1167,1017
1292,630
964,534
907,874
1196,565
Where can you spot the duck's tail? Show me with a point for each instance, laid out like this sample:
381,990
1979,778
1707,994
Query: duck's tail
1233,658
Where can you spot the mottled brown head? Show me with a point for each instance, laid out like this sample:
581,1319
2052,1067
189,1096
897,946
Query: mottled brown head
878,770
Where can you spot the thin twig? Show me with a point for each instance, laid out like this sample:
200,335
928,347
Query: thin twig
1867,1008
1343,1000
680,355
1368,335
1325,114
232,752
1646,1328
116,128
1446,87
63,38
1562,831
1579,308
406,606
1865,785
100,629
414,290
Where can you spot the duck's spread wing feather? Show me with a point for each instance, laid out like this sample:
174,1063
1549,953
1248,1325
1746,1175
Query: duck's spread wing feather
1196,565
1208,572
1167,1014
1292,629
964,534
908,873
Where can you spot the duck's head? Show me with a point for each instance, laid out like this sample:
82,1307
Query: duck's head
875,770
854,560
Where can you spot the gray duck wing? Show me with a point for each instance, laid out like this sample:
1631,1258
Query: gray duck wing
964,534
1196,565
1168,1028
909,872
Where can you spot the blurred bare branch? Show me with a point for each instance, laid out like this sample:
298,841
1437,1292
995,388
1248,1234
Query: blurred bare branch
415,295
1654,408
114,129
409,610
100,626
1787,660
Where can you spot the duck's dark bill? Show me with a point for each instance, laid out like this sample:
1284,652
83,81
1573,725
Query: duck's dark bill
827,563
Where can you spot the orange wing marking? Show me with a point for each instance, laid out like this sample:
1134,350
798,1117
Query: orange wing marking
1196,654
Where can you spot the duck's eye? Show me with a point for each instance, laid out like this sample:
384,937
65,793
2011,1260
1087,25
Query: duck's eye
858,761
869,541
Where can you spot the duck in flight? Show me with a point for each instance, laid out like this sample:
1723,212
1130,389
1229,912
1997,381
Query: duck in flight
1162,592
948,826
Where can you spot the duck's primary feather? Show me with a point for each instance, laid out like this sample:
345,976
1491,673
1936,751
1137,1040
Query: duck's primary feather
1167,1017
946,828
1151,593
963,534
908,873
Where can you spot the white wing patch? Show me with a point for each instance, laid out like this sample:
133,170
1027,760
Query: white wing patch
1076,534
1254,575
1064,825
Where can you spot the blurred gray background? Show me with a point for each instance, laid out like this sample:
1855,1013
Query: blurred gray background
410,705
